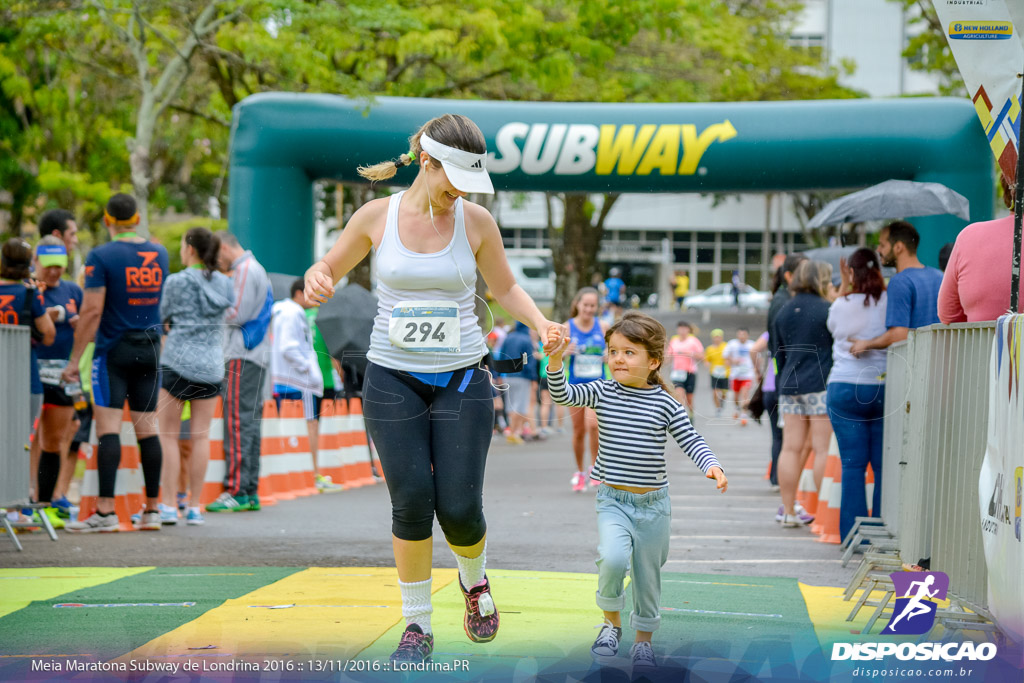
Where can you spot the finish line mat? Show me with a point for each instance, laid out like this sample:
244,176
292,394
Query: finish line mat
341,624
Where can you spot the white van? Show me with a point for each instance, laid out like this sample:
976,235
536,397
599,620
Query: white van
535,275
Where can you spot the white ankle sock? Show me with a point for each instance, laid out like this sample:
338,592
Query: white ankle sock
416,605
471,569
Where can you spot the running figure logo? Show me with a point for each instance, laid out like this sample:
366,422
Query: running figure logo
914,612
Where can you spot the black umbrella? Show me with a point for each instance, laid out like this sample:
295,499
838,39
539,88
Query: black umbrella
892,199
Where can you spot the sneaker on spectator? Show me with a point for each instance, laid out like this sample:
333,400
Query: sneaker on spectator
194,517
152,520
579,482
168,514
415,646
481,621
254,503
63,507
607,643
55,519
642,655
325,484
227,503
95,523
798,510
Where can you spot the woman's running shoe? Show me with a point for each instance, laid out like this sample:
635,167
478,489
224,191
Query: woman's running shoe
96,523
415,646
481,622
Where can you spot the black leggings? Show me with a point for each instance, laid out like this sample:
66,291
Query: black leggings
432,443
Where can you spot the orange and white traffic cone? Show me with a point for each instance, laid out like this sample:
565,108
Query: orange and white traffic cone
295,435
358,470
807,492
330,456
831,497
216,468
274,480
129,488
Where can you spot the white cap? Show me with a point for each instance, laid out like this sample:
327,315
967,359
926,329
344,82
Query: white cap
465,170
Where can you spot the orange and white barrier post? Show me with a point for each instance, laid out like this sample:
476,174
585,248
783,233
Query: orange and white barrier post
330,455
295,435
274,463
807,492
357,462
831,497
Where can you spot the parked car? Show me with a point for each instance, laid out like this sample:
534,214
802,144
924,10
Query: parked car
720,298
535,275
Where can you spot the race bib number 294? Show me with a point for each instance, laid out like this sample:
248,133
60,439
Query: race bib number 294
425,326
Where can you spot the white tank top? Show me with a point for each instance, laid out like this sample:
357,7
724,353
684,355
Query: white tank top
404,275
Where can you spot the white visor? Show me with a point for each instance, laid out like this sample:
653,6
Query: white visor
465,170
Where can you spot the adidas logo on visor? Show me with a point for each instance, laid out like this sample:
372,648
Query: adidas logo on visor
479,164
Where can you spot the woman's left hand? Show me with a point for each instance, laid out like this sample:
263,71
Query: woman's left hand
551,333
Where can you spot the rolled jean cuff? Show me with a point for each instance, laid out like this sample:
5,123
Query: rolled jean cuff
649,624
616,604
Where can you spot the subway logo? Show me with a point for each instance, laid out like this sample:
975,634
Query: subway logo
578,148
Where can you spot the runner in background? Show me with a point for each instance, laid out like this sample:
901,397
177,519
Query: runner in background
684,351
586,364
714,355
121,310
680,288
330,370
62,300
741,371
616,292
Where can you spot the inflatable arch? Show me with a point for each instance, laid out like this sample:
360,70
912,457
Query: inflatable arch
281,143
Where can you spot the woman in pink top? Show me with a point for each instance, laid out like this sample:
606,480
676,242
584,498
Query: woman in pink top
976,284
684,351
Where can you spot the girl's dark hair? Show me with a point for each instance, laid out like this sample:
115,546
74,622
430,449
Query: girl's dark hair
647,332
574,309
867,274
16,259
454,130
207,246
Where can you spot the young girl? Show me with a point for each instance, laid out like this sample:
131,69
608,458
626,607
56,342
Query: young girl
635,410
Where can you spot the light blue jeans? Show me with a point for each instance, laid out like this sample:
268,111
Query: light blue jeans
633,531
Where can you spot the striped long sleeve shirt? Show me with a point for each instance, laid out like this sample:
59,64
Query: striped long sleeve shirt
633,426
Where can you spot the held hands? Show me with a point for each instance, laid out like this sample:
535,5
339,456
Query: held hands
557,341
319,287
553,334
716,473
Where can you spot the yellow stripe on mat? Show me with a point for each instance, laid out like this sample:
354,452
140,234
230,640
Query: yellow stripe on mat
318,613
19,587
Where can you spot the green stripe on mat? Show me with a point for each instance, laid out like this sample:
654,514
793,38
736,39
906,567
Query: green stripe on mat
40,628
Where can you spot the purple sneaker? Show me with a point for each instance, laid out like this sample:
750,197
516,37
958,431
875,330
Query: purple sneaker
801,515
481,622
415,646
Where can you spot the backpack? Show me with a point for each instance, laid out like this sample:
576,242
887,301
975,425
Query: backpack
253,331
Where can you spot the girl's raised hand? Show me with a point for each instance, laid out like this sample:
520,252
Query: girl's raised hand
716,473
552,334
555,354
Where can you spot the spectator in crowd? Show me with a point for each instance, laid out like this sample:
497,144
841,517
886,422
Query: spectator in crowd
293,363
518,344
22,304
61,224
714,355
737,286
685,351
741,371
976,285
62,300
121,309
913,292
193,309
680,288
803,361
246,357
856,385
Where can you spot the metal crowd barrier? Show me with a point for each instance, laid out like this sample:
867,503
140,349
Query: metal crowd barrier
935,432
15,421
